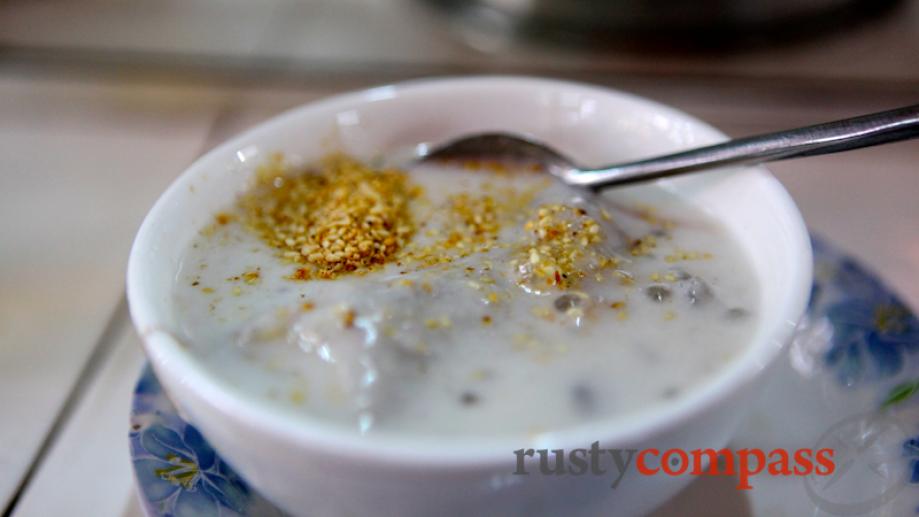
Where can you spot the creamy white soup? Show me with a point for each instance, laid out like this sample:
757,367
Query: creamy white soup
460,299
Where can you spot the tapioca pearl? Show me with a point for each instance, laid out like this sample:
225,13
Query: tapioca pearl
658,293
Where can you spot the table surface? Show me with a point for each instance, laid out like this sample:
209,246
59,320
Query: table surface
87,151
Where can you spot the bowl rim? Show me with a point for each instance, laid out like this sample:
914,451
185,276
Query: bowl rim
169,358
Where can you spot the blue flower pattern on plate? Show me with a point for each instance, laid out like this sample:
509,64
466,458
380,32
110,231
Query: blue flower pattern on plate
178,471
873,331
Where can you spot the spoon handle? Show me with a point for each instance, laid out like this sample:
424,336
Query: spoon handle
830,137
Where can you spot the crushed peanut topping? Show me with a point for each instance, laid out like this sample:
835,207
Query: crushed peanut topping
346,316
442,322
343,218
472,225
643,245
477,215
250,277
563,247
682,255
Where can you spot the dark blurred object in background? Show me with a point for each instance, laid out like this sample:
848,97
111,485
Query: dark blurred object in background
374,41
672,25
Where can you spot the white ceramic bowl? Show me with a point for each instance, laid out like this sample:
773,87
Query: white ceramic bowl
311,469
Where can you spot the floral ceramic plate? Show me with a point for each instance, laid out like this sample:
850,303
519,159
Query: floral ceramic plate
848,384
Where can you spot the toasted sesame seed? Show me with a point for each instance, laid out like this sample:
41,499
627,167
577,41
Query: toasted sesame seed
358,217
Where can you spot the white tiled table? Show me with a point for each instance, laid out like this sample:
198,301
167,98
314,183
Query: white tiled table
82,158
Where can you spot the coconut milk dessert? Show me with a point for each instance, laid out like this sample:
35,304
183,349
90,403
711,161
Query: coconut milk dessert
471,299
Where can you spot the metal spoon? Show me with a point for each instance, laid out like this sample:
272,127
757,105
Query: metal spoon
831,137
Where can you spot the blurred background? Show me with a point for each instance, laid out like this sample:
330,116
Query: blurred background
104,102
290,40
